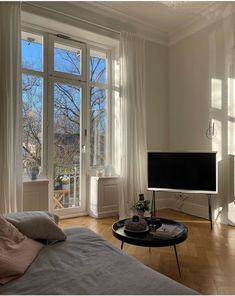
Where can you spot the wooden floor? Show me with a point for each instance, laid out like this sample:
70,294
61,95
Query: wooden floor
207,258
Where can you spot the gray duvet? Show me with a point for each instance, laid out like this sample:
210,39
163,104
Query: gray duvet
87,264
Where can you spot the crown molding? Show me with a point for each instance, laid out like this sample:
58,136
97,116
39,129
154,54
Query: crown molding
115,21
55,21
215,12
125,21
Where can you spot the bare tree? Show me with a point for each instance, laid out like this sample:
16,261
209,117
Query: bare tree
67,115
31,113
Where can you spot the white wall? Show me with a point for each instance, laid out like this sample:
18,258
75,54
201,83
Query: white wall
199,68
156,92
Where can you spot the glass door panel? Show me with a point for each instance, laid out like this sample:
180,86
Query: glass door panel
67,156
98,127
32,98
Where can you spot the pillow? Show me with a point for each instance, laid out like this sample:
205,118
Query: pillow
37,225
22,215
17,251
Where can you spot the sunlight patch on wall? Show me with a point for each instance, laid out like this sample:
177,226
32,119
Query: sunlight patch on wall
217,213
217,141
231,138
231,115
231,97
216,93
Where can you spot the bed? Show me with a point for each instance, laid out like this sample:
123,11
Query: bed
87,264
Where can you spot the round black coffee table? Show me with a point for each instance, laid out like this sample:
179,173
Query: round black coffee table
149,239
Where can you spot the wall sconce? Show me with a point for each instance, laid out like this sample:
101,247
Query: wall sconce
211,130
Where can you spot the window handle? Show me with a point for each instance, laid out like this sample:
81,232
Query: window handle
84,148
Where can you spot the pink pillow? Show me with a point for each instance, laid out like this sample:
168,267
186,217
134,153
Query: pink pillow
17,251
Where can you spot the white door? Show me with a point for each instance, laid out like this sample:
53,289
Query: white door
66,127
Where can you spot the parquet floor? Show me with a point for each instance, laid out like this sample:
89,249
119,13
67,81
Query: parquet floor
207,258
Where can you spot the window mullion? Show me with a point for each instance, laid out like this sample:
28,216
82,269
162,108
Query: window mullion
45,105
33,72
98,85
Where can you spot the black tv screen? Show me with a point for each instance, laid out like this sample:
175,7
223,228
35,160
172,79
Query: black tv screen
182,171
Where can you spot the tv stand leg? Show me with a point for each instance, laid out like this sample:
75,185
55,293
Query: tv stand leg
153,206
209,208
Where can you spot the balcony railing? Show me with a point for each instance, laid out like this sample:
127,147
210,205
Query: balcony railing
66,187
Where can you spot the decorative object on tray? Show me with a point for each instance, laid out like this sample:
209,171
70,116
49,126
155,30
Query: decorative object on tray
154,223
136,224
167,231
141,205
33,170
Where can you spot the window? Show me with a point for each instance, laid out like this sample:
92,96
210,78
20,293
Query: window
32,51
66,105
32,87
98,92
67,59
32,98
98,66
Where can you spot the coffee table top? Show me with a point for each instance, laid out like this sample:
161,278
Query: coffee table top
147,239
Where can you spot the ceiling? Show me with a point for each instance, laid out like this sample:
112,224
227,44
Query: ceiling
166,16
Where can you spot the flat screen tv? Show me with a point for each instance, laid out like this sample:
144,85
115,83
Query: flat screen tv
182,172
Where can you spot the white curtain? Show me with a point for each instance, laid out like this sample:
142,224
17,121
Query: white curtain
10,108
133,146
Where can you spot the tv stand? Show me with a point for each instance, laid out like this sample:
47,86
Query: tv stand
209,209
153,208
153,205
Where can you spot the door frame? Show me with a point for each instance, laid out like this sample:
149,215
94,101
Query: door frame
68,212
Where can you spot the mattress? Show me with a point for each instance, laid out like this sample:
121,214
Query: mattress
86,264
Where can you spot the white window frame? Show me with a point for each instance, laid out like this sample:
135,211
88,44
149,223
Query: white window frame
76,44
108,87
49,77
50,147
43,74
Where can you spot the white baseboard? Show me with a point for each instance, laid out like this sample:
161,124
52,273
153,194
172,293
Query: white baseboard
103,214
188,207
72,215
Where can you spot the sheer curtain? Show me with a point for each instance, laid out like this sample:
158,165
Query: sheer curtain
10,108
133,146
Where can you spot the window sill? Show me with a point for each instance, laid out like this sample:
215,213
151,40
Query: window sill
27,180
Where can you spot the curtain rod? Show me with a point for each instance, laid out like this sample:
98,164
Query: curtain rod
25,4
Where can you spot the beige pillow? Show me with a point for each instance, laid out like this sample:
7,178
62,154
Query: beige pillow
16,251
26,214
37,225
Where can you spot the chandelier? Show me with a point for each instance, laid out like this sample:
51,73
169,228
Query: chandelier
173,4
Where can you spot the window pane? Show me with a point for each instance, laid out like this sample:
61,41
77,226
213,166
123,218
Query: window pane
98,66
66,145
67,59
32,94
32,51
98,121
